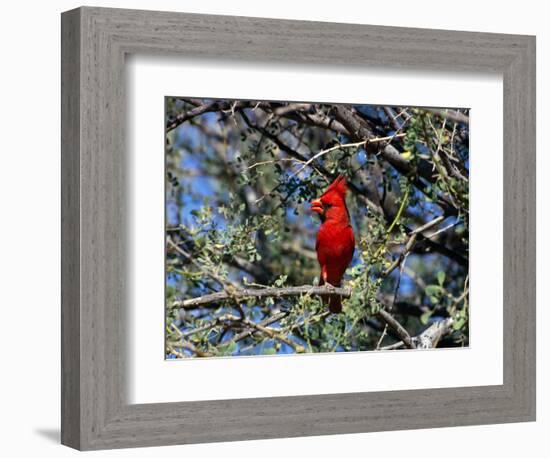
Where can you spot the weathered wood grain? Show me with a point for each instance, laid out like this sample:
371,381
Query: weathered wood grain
95,412
70,229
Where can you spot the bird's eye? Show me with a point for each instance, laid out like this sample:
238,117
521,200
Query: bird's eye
328,205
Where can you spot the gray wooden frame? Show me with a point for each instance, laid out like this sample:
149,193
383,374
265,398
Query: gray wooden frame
95,414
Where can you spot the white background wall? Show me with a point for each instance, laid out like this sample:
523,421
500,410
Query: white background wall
30,213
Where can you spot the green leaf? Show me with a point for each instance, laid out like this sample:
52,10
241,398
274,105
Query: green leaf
425,317
441,277
459,324
433,290
280,281
230,348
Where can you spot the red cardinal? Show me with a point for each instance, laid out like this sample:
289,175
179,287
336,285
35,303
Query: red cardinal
335,240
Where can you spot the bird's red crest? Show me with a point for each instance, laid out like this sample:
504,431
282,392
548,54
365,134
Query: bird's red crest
339,186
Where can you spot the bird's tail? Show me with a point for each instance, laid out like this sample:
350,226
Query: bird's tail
334,302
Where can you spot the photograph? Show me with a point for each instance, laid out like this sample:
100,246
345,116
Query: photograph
305,227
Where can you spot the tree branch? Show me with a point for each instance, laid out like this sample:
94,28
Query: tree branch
184,344
303,159
197,111
396,326
360,132
264,292
265,322
429,338
451,115
275,334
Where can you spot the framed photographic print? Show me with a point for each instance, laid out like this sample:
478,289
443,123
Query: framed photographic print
297,236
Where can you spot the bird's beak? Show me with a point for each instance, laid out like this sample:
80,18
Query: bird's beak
317,206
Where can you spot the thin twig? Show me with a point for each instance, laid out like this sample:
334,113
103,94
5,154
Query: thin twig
410,243
273,161
184,344
384,333
214,276
275,334
347,145
443,229
265,322
329,150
